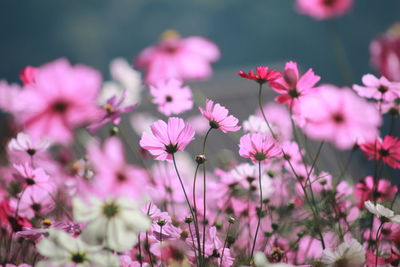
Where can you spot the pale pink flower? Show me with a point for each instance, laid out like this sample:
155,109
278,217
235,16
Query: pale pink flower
291,87
25,143
339,116
219,117
113,176
167,139
34,200
279,119
61,99
323,9
180,58
9,97
380,89
32,177
258,147
171,97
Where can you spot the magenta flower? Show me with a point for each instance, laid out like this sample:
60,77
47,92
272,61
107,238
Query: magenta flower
385,53
292,87
218,117
111,111
323,9
381,89
262,75
387,150
167,139
364,190
258,147
171,97
28,75
339,116
180,58
61,99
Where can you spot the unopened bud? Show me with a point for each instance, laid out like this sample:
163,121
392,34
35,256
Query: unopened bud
231,220
114,130
188,220
200,159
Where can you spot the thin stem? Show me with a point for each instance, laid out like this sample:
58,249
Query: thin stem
260,211
140,252
346,166
292,168
223,249
147,245
204,193
195,220
194,246
161,255
377,244
187,200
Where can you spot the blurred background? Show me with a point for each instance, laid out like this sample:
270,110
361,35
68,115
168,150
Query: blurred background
248,33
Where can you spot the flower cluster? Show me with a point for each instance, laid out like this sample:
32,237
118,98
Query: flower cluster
80,188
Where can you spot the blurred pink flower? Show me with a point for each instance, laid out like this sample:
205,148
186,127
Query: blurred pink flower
323,9
25,143
111,111
219,117
380,89
171,97
28,75
279,120
181,58
167,139
258,147
9,97
262,75
339,116
113,176
62,98
385,53
364,190
387,150
292,87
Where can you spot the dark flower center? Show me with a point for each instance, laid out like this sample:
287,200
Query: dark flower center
384,152
78,257
293,93
259,156
121,177
214,124
30,181
338,118
60,106
36,207
168,98
110,210
250,179
171,148
382,89
31,151
329,2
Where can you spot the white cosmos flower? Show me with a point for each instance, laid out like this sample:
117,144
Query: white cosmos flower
255,124
381,211
261,261
348,254
113,223
62,249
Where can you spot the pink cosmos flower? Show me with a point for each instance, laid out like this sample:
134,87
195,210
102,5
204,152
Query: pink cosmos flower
180,58
364,190
339,116
279,120
323,9
23,142
385,53
171,97
31,177
258,147
262,75
167,139
28,75
218,117
380,89
387,150
61,99
292,87
111,111
113,176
